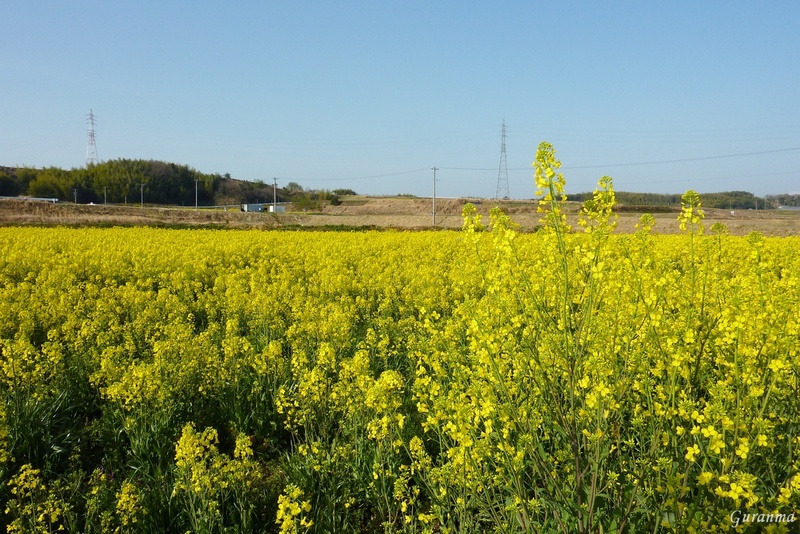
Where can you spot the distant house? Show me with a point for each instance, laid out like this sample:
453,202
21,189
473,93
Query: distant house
261,208
258,208
32,199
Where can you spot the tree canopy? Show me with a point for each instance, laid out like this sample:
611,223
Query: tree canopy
124,180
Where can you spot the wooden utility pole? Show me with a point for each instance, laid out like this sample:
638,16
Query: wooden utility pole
434,169
274,195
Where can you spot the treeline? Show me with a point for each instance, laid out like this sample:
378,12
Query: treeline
786,199
725,200
124,181
116,181
633,199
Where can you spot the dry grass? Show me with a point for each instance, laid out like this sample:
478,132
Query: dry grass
24,213
399,213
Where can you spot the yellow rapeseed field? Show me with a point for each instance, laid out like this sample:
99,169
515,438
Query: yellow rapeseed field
572,380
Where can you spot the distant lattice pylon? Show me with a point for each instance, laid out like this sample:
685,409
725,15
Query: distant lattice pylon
502,171
91,148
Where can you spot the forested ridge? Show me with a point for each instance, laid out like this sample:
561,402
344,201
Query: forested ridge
127,181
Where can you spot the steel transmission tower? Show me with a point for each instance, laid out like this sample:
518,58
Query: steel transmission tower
502,172
91,148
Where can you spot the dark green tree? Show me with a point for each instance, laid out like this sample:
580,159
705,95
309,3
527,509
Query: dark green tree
9,186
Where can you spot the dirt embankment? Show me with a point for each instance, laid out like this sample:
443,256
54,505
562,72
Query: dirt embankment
355,212
397,206
29,213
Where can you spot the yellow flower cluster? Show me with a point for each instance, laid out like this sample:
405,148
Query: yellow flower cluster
292,511
128,506
204,478
33,507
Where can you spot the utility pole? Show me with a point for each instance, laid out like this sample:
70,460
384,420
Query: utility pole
434,169
105,195
195,193
274,195
141,190
75,192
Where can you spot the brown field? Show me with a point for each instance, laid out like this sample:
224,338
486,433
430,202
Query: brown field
357,212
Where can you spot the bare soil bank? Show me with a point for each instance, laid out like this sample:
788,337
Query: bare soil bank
362,212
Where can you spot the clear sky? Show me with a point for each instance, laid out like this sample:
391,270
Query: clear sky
662,96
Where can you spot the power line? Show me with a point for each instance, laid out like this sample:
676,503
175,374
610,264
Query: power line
629,164
715,179
359,177
658,162
685,160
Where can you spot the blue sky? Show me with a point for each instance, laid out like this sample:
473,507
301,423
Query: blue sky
662,96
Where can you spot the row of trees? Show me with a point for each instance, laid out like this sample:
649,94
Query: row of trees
125,180
115,181
725,200
785,199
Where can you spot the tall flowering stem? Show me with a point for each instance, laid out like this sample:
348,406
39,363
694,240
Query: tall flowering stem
551,183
